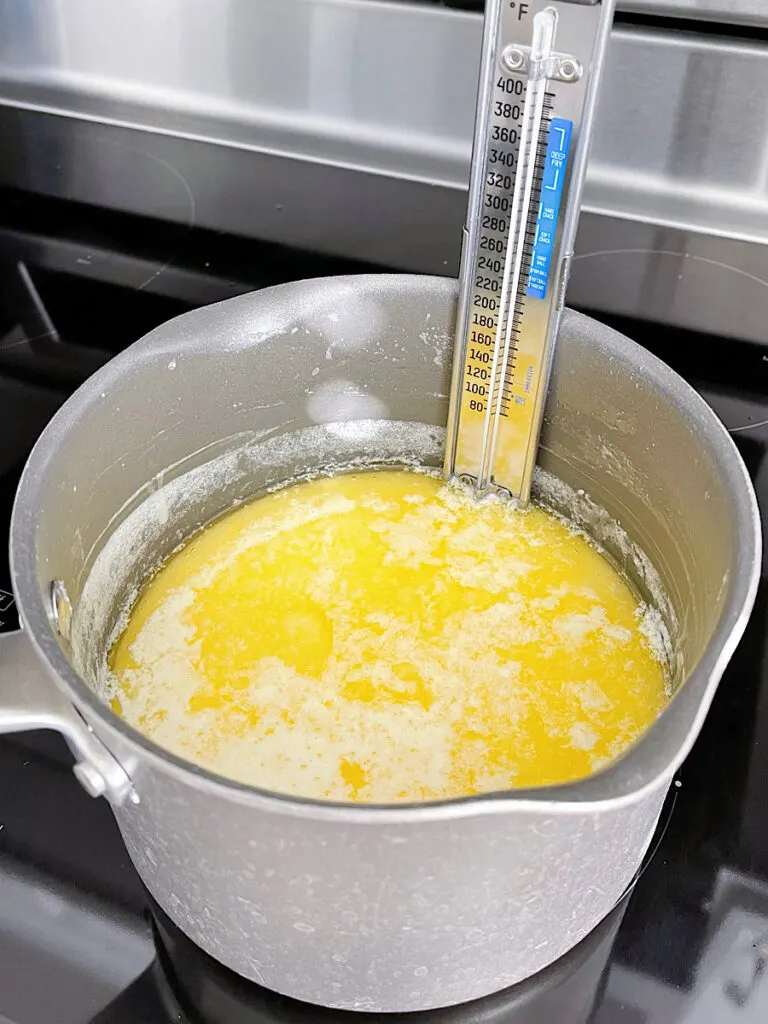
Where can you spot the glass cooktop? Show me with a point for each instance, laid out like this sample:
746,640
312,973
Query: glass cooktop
80,941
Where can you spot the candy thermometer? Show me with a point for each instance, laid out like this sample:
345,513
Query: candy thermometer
540,72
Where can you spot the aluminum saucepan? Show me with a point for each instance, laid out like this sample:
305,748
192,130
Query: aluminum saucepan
365,907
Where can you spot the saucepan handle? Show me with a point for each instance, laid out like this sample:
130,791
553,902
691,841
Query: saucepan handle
29,699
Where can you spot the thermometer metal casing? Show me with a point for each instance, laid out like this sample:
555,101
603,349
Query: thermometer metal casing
540,71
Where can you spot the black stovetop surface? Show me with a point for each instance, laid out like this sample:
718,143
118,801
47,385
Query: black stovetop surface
75,934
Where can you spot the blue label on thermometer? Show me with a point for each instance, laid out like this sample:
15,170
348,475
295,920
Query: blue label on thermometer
558,145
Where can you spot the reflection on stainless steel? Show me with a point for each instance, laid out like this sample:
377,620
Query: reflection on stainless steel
734,12
344,126
682,138
685,278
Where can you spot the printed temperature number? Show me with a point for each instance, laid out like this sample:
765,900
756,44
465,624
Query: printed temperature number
494,223
510,111
511,86
493,263
501,133
497,180
502,157
492,244
479,355
497,202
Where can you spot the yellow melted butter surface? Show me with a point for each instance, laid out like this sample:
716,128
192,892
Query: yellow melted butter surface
380,636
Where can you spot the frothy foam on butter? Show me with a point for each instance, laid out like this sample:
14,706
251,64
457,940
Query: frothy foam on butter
383,637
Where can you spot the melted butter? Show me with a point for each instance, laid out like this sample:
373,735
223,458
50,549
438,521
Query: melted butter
382,637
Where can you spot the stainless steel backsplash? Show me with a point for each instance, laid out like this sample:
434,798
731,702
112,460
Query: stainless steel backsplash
344,126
